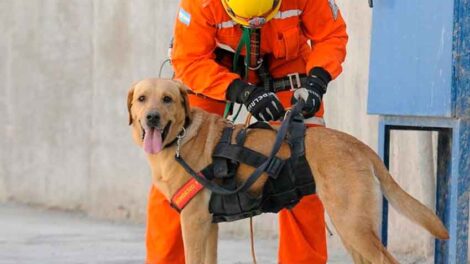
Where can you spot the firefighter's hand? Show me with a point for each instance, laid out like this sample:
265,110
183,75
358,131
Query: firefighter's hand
263,105
312,94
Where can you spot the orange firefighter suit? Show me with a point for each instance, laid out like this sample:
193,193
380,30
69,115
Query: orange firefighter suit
304,34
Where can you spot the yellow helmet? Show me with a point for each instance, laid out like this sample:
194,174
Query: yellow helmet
251,13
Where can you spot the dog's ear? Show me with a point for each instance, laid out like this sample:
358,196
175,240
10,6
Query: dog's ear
130,97
184,97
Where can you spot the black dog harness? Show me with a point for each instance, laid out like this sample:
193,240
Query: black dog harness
289,180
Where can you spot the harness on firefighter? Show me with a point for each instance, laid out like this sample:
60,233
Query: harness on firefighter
254,63
289,180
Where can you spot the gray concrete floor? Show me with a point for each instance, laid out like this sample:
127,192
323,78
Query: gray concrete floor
35,235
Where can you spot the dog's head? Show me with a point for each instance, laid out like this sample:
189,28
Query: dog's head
158,111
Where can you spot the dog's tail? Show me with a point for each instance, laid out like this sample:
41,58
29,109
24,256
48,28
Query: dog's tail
405,203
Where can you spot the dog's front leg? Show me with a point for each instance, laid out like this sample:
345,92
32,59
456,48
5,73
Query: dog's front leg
199,233
211,244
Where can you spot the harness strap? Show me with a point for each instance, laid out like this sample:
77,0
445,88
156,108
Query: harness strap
259,170
220,166
290,82
243,133
296,136
185,194
249,157
202,180
264,75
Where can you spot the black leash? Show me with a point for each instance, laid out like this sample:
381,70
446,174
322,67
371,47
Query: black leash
215,188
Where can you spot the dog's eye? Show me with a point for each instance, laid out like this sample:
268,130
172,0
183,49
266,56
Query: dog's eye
141,98
167,99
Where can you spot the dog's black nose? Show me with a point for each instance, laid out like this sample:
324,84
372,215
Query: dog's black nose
153,119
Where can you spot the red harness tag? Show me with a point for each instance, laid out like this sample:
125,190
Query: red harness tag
185,194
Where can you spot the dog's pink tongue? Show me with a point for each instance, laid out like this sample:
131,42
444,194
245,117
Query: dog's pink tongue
153,141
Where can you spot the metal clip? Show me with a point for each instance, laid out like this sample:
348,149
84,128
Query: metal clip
297,81
178,142
258,65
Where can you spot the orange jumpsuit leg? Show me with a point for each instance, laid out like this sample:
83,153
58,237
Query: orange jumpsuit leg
302,235
302,238
164,241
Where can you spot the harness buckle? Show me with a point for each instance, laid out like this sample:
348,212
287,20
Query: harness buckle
294,77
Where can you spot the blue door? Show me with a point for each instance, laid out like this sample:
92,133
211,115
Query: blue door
411,58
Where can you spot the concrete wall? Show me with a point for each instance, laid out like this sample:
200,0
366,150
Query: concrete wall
65,67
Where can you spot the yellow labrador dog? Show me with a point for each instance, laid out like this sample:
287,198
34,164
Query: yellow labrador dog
345,172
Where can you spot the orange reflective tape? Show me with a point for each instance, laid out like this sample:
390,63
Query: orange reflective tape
185,194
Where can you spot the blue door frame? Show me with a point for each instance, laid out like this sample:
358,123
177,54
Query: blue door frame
453,179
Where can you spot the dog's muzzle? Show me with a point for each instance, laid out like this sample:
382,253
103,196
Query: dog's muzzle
153,119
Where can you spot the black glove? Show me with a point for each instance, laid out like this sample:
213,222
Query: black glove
312,94
263,105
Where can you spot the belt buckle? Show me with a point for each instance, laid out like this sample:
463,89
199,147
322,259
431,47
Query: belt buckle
294,77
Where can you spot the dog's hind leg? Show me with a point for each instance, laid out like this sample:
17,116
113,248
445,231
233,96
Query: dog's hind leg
355,255
353,208
362,242
369,250
358,258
